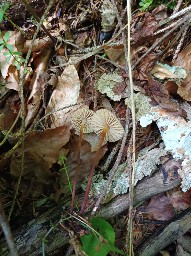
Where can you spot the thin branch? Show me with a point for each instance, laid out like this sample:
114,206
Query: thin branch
176,15
30,9
177,7
182,21
7,232
133,160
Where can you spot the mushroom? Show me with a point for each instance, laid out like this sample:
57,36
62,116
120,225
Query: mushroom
107,126
80,122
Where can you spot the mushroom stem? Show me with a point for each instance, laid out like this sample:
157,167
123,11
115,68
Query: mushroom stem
95,162
77,167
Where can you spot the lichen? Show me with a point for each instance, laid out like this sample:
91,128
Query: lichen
108,15
147,162
107,82
142,105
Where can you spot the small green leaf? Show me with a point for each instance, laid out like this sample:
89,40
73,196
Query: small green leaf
7,36
17,53
104,228
22,60
1,41
101,244
9,47
8,59
145,4
1,15
1,47
6,54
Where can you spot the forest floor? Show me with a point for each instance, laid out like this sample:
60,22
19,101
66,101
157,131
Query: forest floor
95,127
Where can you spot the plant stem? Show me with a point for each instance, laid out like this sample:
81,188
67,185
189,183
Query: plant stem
77,166
95,162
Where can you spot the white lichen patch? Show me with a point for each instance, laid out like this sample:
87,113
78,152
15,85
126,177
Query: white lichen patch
107,82
185,175
146,164
147,161
142,105
176,135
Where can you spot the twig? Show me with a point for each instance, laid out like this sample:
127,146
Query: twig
177,7
176,15
30,9
186,18
179,46
54,111
166,28
114,169
133,160
7,232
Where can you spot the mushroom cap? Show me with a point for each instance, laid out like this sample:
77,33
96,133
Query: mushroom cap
81,117
103,118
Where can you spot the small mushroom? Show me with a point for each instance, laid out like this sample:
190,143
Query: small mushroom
107,126
81,120
103,119
81,123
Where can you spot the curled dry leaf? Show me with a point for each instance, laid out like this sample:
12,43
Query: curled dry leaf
64,95
37,84
145,28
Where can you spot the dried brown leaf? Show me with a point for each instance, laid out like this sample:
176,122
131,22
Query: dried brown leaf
160,208
41,150
183,60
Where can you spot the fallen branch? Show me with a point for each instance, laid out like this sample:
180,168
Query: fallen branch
165,236
143,191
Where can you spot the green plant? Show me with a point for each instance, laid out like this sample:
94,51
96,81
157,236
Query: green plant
64,168
100,240
17,56
3,7
145,4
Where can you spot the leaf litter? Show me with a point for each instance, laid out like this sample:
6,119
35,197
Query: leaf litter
77,77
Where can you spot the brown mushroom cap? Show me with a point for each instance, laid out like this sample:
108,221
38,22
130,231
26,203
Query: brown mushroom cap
80,118
103,118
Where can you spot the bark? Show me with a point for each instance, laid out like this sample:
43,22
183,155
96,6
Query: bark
145,190
29,237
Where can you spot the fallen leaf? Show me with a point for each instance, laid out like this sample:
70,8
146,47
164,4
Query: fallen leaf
115,53
41,151
179,199
64,95
160,208
144,28
183,60
37,84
